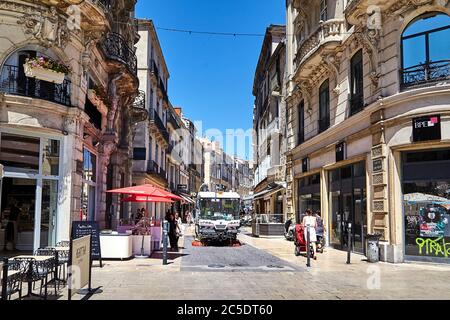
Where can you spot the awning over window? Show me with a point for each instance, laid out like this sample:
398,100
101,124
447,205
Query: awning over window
186,198
267,193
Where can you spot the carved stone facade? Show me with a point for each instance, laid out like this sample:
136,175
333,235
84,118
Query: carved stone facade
89,119
371,130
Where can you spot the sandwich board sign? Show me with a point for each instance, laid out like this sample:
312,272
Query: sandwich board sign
80,264
84,228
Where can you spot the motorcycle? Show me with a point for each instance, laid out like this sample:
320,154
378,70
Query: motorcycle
289,230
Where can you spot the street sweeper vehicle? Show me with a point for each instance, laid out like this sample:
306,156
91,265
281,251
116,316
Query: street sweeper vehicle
217,217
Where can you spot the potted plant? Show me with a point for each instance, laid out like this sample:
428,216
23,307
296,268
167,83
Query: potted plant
45,69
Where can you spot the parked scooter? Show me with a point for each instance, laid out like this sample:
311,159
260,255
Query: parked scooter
289,230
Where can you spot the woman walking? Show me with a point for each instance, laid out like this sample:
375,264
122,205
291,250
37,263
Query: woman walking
310,222
173,237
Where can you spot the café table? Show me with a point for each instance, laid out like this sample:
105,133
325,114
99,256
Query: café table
30,259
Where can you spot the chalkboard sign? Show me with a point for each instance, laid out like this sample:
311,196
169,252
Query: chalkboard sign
85,228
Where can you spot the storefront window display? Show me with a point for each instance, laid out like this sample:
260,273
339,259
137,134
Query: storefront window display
426,195
308,195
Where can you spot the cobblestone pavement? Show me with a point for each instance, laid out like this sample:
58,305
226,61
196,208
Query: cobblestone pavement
187,276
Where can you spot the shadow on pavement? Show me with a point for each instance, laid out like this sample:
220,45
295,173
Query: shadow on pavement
170,255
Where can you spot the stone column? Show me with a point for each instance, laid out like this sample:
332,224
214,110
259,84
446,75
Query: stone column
379,222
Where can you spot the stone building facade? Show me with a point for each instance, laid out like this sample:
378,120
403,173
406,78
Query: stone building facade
151,138
63,144
269,125
368,99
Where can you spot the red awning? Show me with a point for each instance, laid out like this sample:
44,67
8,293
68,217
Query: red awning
136,198
148,191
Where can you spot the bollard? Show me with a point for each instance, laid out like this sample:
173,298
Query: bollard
349,243
5,280
165,233
308,251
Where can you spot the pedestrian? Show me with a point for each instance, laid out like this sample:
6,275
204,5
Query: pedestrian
180,228
320,231
310,222
11,228
173,238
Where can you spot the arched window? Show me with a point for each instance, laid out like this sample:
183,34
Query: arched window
13,79
426,50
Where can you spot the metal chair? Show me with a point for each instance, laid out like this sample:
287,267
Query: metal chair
16,272
47,268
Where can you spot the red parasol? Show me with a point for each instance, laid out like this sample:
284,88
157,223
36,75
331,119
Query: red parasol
136,198
148,191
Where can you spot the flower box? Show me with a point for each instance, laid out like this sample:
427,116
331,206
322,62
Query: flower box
44,74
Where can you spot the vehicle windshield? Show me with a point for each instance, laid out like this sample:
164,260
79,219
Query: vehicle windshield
219,209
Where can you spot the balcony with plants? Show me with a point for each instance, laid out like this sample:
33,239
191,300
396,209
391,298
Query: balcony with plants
37,77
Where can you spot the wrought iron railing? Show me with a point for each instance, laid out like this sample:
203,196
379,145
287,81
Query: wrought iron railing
105,4
155,169
13,81
172,121
163,90
324,124
116,48
425,73
155,119
139,102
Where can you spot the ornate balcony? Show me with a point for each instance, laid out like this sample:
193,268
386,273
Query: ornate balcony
139,110
14,82
425,74
158,128
116,48
328,34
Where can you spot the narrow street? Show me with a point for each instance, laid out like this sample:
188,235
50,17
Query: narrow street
227,273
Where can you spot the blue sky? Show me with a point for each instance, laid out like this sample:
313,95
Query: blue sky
212,76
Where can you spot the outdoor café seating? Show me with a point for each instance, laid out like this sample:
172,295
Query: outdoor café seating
16,272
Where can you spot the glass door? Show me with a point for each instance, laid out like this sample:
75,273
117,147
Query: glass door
360,221
18,213
49,211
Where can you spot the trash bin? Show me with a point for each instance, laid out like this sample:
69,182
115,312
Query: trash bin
373,247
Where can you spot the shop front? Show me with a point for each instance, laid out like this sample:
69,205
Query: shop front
426,204
308,195
30,193
348,206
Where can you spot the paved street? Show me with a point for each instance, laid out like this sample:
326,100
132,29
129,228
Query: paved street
243,273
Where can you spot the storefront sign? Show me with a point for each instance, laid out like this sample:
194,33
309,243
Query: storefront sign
80,263
427,128
182,187
340,152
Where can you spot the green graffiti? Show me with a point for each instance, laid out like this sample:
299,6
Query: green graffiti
438,247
